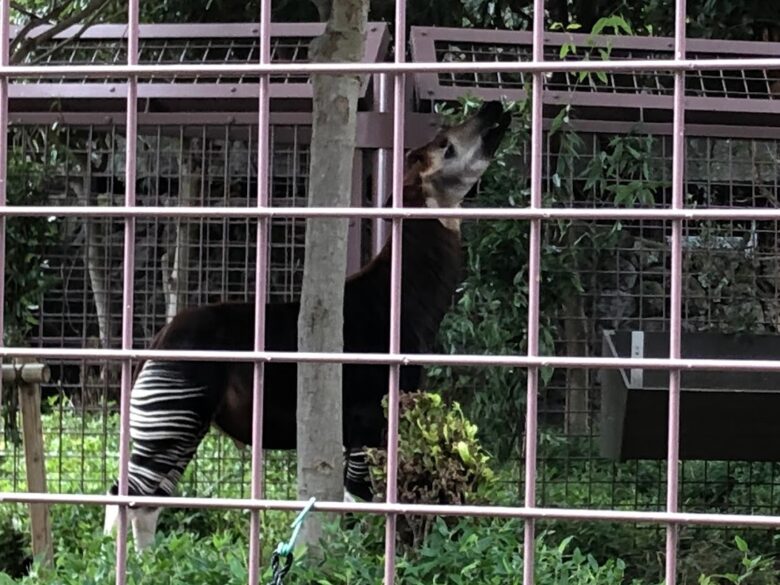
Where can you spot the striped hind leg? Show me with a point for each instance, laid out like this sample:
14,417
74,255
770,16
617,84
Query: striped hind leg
169,416
357,478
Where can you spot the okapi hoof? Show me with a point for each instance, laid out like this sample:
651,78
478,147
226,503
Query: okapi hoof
144,522
111,513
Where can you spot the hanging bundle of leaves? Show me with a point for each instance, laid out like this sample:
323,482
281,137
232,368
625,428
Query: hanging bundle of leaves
440,460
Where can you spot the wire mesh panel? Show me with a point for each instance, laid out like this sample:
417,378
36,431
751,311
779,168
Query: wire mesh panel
608,95
624,272
185,44
180,263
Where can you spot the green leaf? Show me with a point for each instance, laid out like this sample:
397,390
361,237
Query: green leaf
742,545
463,451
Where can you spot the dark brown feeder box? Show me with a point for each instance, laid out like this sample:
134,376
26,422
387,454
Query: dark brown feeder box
723,415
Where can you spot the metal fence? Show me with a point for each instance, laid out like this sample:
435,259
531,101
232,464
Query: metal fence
189,152
207,156
133,215
731,162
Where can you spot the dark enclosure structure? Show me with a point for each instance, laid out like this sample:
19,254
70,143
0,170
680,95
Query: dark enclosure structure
729,416
197,146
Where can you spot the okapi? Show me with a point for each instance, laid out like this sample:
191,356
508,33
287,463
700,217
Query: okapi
173,403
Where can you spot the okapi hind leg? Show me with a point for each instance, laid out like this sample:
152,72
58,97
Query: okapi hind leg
357,479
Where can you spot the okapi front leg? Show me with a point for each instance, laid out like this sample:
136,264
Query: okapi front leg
167,423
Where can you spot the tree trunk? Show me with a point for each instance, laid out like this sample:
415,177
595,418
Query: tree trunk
577,413
98,242
321,317
176,260
99,246
576,329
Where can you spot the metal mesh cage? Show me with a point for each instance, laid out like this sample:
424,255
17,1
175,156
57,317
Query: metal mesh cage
746,83
173,51
179,263
730,286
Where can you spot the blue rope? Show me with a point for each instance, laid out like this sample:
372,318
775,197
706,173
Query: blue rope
285,549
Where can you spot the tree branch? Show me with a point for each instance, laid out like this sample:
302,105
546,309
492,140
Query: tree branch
78,34
36,20
27,44
28,13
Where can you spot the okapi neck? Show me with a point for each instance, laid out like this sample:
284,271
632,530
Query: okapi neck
431,270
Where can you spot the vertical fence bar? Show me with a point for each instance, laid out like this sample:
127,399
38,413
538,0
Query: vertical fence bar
534,261
261,262
378,234
5,35
127,285
399,114
675,294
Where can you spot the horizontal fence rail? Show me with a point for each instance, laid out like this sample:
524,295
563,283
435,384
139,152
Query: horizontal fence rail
145,71
535,513
519,361
528,213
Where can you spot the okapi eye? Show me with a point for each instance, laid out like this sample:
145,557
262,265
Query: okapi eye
450,152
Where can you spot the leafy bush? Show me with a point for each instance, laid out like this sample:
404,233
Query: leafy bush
15,557
472,551
29,242
440,460
209,546
484,551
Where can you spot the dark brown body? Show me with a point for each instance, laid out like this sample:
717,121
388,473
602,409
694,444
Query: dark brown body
430,273
439,174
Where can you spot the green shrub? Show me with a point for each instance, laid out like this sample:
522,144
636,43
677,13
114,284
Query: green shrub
748,568
15,556
440,460
468,551
483,551
213,543
29,245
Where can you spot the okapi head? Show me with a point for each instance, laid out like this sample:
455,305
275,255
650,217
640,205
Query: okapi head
441,173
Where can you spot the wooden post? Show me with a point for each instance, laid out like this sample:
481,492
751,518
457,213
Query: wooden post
27,376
